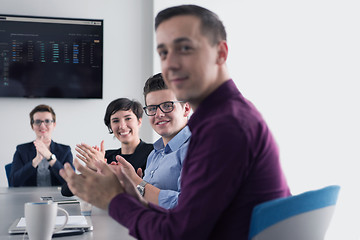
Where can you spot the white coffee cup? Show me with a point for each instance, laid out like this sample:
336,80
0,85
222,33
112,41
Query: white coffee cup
40,219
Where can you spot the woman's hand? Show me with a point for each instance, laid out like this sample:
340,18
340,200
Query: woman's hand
42,151
37,159
89,155
42,148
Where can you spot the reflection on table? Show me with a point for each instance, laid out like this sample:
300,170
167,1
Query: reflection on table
12,202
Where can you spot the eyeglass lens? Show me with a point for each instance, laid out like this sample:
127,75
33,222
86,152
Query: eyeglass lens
165,107
46,122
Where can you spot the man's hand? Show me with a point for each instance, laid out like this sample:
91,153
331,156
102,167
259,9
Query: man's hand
128,169
139,172
89,155
97,189
128,185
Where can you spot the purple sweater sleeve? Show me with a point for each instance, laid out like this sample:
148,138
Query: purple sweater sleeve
127,210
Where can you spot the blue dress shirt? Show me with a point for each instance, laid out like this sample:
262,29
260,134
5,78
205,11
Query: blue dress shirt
164,164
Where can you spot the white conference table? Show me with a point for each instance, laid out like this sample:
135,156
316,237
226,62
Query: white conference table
12,202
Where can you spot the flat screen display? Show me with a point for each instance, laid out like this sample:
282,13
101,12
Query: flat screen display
47,57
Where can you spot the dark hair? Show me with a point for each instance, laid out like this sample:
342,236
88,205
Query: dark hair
211,25
41,108
154,83
123,104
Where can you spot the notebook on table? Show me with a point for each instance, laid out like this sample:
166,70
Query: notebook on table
76,222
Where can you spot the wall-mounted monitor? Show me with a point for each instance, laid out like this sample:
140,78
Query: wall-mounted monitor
48,57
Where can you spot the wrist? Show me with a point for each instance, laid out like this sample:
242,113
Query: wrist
136,179
36,161
51,157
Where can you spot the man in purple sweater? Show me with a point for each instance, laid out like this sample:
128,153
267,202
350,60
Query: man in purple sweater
232,163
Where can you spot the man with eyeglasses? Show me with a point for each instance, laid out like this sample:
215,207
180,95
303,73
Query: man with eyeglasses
168,117
38,163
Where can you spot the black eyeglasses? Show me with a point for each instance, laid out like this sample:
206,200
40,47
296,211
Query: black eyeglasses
47,122
165,107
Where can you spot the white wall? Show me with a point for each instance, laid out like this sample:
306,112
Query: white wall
298,62
128,54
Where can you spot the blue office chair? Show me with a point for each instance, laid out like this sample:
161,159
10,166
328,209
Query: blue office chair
304,216
8,171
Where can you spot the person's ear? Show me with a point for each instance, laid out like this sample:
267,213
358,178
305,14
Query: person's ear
187,109
223,51
139,122
54,124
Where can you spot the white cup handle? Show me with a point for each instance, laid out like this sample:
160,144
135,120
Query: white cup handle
66,220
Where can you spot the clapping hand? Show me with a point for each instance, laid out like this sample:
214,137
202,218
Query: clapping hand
128,178
41,147
89,155
127,168
101,187
42,151
97,189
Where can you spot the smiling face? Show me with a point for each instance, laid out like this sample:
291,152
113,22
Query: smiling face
189,63
43,130
125,126
167,125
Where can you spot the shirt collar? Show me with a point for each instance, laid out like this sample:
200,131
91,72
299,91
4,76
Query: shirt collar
175,143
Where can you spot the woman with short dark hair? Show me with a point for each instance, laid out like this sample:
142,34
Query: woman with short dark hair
123,117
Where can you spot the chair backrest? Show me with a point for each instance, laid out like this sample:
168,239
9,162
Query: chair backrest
304,216
8,171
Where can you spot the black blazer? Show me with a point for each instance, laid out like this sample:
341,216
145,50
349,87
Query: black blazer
24,174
